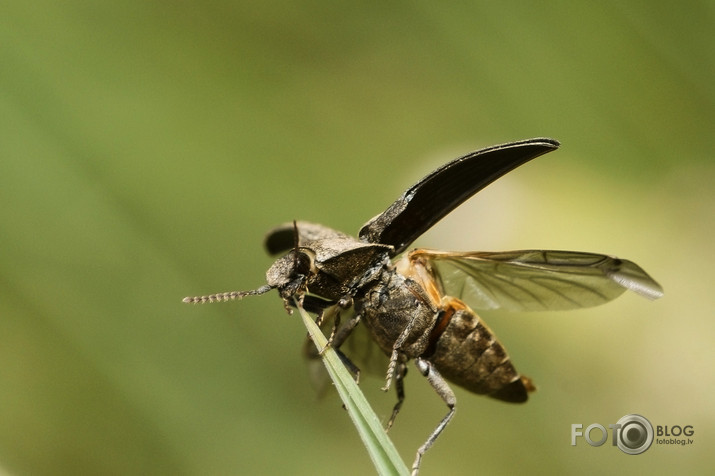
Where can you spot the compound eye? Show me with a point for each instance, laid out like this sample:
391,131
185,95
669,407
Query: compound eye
302,263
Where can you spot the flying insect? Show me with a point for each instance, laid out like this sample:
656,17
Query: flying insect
414,304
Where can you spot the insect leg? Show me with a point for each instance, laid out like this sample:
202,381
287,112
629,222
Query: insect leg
343,303
352,368
400,389
336,340
395,356
333,331
440,386
344,332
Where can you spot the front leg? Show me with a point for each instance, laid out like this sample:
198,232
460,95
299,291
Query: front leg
343,303
329,315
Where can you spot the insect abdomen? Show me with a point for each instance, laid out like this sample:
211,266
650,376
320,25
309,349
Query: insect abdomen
466,352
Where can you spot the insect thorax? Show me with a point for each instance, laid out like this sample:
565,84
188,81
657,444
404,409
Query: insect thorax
392,305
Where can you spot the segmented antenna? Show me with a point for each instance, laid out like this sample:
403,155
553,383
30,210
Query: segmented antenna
229,296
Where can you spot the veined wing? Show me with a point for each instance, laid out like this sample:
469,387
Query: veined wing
536,280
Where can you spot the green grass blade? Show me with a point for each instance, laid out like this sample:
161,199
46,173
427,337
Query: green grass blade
382,452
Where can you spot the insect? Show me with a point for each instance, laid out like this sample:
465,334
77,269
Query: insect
412,305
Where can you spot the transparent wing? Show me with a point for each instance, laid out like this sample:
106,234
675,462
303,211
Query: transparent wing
536,280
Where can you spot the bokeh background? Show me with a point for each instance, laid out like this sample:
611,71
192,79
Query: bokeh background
146,147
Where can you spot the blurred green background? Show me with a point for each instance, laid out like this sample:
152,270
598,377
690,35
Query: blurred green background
146,147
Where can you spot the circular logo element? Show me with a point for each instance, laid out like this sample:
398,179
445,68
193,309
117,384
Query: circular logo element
635,434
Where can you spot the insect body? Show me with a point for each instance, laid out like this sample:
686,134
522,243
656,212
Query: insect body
413,307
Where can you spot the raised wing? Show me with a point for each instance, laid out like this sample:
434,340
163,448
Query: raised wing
440,192
536,280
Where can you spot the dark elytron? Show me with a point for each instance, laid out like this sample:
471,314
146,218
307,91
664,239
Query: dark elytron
412,306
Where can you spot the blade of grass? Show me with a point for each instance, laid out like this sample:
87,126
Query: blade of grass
379,446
